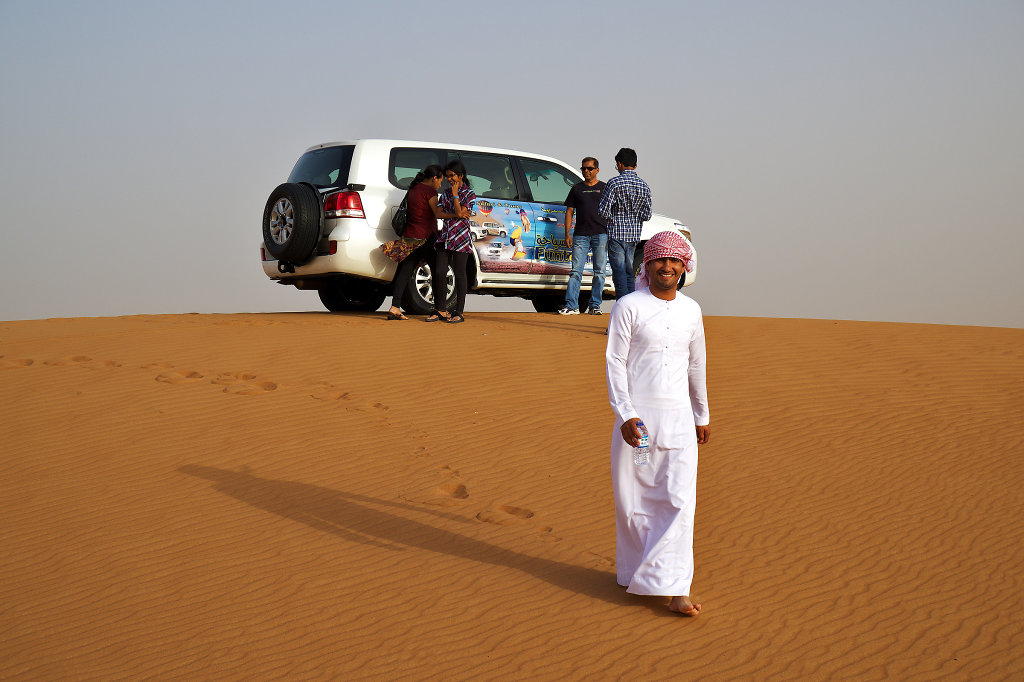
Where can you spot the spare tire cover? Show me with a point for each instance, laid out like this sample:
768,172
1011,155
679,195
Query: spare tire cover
291,222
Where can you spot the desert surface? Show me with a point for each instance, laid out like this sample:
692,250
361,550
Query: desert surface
334,496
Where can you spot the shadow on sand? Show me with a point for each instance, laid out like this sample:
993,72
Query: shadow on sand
358,518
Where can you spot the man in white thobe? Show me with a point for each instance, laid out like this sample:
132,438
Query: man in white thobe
656,373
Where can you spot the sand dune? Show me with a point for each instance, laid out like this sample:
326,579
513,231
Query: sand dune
334,496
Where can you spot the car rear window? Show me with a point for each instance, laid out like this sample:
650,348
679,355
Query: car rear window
326,167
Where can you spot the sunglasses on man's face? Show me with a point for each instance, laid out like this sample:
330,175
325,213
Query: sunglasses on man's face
587,168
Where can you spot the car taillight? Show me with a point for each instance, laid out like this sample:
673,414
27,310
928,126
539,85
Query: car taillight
343,205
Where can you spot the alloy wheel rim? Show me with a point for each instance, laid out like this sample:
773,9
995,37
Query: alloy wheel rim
424,282
282,221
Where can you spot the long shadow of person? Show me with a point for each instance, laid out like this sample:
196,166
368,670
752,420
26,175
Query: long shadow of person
358,518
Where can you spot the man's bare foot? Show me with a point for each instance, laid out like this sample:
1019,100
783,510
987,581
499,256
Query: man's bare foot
683,606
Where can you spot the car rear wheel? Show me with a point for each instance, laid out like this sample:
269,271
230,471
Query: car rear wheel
291,223
419,295
344,294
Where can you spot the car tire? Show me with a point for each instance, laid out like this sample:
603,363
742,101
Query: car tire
291,223
419,295
348,293
333,299
547,303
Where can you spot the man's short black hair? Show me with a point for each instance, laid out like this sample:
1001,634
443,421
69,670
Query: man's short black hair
591,158
627,157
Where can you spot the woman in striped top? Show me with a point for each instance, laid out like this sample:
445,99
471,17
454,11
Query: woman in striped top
454,243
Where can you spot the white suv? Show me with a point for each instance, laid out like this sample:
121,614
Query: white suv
323,228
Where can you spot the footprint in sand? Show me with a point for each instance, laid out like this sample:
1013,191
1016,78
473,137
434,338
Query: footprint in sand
601,562
509,515
180,377
82,360
505,515
237,383
448,493
67,362
243,383
326,391
454,490
323,390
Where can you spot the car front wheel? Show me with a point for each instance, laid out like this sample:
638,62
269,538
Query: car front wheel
547,303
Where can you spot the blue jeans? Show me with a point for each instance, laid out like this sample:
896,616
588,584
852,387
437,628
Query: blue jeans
581,244
620,254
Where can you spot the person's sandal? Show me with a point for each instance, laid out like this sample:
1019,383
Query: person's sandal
396,316
455,319
435,316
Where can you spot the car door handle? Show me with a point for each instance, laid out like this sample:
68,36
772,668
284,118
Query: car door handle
545,219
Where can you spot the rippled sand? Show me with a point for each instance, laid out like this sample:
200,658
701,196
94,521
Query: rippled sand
336,496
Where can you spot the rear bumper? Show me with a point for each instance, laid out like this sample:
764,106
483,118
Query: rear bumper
357,253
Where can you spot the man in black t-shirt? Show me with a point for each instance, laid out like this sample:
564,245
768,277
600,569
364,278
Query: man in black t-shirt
590,235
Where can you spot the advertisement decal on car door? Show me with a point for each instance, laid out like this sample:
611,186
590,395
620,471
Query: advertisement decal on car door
503,235
549,185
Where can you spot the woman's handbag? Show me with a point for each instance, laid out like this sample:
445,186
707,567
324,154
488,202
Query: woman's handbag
401,217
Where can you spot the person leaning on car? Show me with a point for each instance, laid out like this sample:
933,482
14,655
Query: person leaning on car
423,214
591,235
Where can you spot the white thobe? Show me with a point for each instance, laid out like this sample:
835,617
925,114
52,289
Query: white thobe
656,371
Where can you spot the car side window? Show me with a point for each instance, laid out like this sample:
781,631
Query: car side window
548,182
406,162
490,175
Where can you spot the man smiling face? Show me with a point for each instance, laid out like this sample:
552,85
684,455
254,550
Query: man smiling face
664,274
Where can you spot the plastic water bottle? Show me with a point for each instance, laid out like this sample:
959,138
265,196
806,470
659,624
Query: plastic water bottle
642,452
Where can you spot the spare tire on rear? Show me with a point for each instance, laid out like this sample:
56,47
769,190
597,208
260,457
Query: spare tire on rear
291,223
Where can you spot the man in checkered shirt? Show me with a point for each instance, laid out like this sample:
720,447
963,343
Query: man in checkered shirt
625,203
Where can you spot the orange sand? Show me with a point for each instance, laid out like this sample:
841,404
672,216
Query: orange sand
335,496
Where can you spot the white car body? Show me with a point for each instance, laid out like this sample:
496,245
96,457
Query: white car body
349,247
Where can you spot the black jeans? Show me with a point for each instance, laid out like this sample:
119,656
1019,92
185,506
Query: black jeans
402,277
458,261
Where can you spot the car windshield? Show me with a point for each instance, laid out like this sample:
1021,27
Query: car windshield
326,167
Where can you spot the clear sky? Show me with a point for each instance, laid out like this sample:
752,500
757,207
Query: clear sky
851,159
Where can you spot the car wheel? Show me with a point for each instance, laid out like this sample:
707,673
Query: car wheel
346,293
547,303
291,223
419,295
333,299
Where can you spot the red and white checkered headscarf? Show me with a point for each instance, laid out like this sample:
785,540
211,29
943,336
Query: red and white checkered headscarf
665,245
